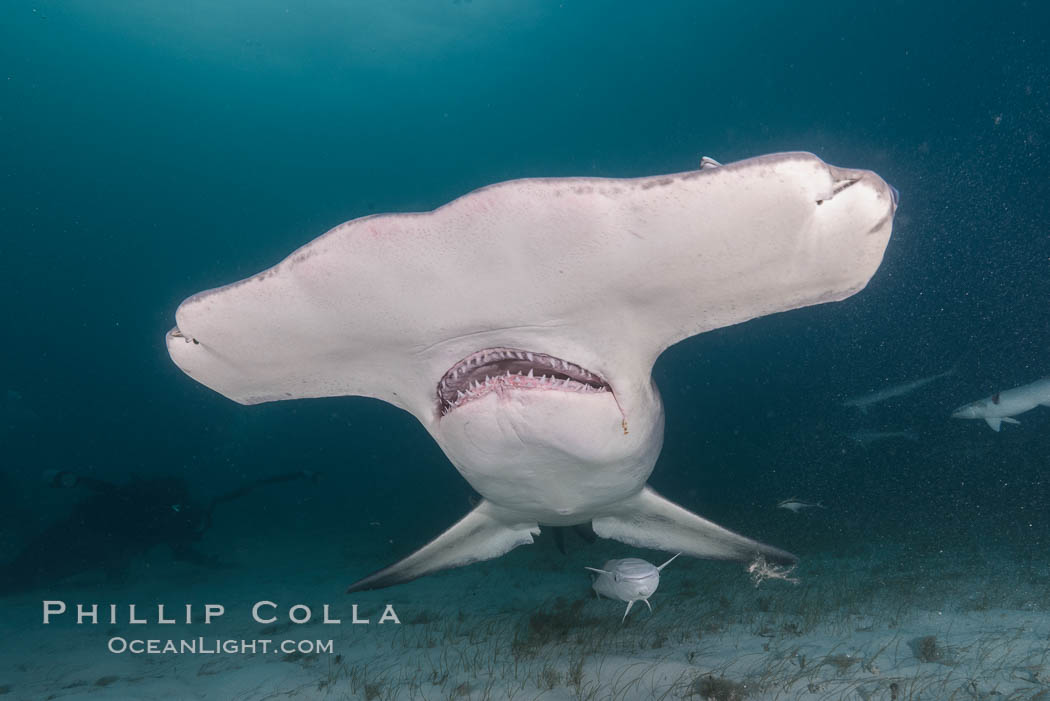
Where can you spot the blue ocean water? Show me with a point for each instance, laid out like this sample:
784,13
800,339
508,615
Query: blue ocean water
149,151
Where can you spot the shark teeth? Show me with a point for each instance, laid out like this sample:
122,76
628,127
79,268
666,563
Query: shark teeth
500,369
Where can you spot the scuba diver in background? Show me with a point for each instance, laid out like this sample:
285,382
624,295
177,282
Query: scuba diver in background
115,523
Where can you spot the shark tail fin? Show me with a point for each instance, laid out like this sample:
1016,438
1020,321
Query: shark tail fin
484,533
647,520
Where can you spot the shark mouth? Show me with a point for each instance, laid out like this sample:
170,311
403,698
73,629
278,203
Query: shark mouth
500,369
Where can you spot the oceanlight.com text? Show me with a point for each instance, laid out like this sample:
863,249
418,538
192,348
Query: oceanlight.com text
216,646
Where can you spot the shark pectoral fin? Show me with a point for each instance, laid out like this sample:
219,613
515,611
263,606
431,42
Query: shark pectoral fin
994,422
648,604
595,569
1008,420
629,605
486,532
647,520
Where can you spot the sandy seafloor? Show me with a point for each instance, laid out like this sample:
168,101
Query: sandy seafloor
871,625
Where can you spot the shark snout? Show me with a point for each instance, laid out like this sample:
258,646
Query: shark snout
965,412
895,194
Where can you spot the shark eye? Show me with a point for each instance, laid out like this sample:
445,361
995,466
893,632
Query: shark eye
616,577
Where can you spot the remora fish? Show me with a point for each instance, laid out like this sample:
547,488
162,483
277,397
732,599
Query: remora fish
628,580
866,400
1002,405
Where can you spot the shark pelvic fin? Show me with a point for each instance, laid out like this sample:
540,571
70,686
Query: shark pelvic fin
647,520
486,532
1008,420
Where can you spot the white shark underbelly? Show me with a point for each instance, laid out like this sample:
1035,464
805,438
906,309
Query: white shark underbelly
579,463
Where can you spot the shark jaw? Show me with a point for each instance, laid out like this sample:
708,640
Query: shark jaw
500,370
537,434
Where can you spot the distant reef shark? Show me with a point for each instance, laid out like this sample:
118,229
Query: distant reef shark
1001,406
866,400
